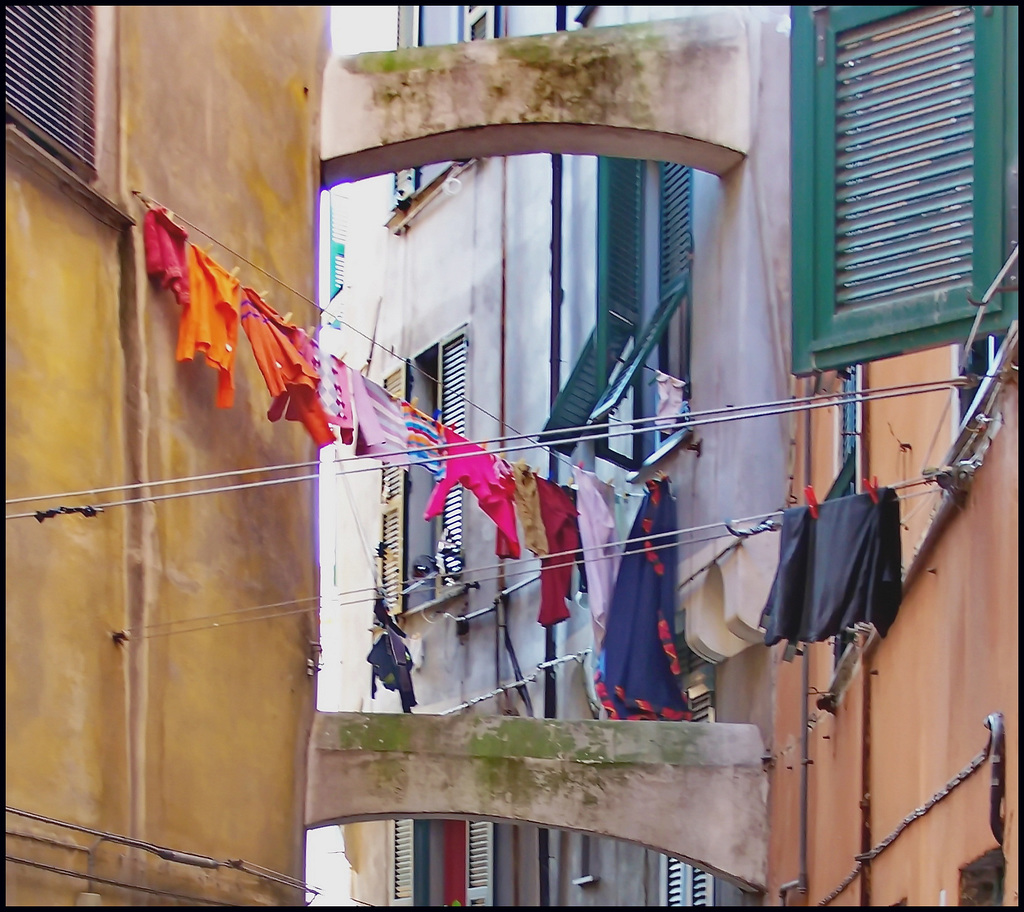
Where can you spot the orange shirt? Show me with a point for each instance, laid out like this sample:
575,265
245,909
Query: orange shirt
209,320
291,379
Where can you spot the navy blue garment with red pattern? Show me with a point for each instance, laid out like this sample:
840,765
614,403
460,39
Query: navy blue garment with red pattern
637,672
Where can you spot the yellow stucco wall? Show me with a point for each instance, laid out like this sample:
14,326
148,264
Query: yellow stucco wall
194,740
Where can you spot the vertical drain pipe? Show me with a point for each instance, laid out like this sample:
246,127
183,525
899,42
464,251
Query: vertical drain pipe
800,884
555,359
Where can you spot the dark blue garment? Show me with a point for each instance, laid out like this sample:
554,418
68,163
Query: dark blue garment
637,671
390,659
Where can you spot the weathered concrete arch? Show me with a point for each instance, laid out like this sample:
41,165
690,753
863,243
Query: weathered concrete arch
688,789
672,90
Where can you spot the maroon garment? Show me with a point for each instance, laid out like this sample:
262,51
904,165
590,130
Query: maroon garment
164,240
558,515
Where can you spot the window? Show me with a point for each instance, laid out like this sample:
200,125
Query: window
433,550
904,133
49,79
644,251
479,22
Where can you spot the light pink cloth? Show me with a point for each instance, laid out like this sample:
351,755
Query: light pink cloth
670,400
380,424
601,552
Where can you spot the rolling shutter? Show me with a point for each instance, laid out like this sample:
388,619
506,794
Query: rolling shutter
49,80
480,848
453,363
402,863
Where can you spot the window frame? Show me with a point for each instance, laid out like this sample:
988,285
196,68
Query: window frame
822,338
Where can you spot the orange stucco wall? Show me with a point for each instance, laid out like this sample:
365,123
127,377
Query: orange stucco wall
949,660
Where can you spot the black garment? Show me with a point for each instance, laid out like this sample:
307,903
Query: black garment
391,660
784,610
837,570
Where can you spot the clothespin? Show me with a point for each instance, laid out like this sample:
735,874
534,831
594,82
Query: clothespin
872,488
812,500
287,317
264,296
234,273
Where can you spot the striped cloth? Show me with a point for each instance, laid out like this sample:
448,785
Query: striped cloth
425,434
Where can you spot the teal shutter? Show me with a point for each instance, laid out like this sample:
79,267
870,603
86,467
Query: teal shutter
339,235
899,118
619,277
675,253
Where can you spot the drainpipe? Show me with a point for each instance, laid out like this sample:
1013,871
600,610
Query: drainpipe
555,357
800,884
994,723
501,397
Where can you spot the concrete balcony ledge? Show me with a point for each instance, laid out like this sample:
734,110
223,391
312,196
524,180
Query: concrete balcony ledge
673,90
692,790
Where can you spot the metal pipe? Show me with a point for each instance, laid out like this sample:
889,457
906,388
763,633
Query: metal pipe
994,723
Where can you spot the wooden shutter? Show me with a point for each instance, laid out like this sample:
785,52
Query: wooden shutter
452,367
479,23
402,863
49,78
339,235
393,496
903,131
479,863
620,183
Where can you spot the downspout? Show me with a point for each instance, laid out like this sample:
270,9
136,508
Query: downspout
501,400
555,360
997,757
800,884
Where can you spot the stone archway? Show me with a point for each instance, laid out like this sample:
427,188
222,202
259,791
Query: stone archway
657,784
672,90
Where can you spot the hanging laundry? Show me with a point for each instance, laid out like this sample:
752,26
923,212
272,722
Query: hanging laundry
671,402
528,508
489,478
166,262
601,554
380,423
209,320
333,388
838,570
638,669
290,378
425,437
558,514
390,659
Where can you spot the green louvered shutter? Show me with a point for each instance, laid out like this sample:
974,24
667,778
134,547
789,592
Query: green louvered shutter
619,288
339,235
675,252
899,177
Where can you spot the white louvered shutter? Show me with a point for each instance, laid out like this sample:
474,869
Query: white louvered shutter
402,863
393,515
479,850
452,396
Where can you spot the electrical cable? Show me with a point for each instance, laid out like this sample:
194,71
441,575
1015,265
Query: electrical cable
716,416
144,634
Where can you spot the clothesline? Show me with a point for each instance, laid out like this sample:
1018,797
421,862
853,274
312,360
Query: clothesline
709,416
526,679
366,592
149,202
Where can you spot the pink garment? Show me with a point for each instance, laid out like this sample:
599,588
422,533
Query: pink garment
601,552
164,240
334,387
380,423
491,481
